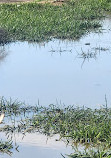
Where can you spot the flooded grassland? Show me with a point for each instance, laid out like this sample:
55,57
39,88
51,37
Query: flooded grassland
64,130
59,71
66,82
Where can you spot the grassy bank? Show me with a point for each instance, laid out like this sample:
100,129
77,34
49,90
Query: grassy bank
40,22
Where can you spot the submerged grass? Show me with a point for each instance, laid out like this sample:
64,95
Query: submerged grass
39,22
6,146
90,127
82,125
92,154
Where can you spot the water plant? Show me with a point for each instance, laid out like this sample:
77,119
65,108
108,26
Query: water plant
91,154
6,146
75,125
82,125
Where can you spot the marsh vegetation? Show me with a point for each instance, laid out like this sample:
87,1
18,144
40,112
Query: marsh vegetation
36,22
75,125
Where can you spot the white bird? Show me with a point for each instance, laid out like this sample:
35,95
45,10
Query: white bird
1,117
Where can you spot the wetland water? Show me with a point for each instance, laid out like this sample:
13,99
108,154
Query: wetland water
76,73
37,145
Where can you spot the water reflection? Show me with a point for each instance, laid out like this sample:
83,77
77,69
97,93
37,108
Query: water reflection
37,144
43,129
3,53
25,143
51,72
91,54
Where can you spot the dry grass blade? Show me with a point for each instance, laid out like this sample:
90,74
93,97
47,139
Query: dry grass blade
1,117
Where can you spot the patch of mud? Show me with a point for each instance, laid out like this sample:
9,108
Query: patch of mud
14,1
55,2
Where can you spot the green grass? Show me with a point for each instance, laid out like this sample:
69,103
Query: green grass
81,125
4,37
6,146
85,126
37,22
92,154
89,127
